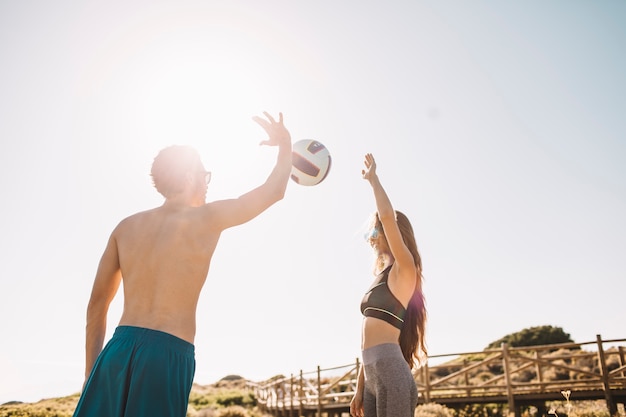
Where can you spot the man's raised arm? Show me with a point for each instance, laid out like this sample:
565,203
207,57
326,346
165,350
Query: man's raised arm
232,212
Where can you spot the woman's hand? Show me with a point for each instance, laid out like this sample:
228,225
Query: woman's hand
356,405
369,172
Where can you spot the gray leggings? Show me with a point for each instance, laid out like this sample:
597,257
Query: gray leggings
390,389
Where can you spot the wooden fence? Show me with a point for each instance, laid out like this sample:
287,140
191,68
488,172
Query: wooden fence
509,378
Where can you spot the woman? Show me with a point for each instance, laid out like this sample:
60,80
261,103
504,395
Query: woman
392,336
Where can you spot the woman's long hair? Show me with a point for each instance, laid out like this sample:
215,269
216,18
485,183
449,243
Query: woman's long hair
412,336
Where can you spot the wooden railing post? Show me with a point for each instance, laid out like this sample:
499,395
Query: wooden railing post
507,378
319,391
291,396
426,377
283,395
539,370
611,405
301,394
466,378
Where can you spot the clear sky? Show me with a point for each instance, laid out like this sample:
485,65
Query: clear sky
498,128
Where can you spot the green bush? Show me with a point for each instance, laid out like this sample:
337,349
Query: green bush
534,336
239,398
220,398
199,401
233,411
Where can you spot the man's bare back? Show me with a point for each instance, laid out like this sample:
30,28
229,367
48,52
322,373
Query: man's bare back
164,259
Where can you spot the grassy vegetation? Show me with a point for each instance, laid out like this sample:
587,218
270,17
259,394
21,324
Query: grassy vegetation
226,398
557,409
231,398
54,407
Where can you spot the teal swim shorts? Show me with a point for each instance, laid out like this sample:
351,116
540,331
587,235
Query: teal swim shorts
140,372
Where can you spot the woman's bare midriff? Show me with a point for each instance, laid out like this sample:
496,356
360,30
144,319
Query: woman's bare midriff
375,332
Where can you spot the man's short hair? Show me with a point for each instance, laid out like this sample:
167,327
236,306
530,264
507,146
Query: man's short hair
170,167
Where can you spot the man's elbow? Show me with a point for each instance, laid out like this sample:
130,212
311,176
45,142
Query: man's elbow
278,195
281,193
278,192
96,309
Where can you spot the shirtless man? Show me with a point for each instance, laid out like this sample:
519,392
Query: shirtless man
163,255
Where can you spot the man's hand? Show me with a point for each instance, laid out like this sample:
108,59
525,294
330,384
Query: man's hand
277,132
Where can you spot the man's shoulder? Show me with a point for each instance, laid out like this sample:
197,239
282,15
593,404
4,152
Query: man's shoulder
140,214
135,218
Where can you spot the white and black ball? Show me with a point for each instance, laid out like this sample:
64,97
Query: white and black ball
310,162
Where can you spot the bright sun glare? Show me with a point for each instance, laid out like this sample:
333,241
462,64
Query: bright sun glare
179,86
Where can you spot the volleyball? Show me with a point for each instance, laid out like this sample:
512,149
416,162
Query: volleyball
310,162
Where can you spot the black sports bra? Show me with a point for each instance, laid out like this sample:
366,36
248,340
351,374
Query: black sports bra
379,302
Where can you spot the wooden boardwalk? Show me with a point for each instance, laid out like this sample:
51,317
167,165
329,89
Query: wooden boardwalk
508,379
